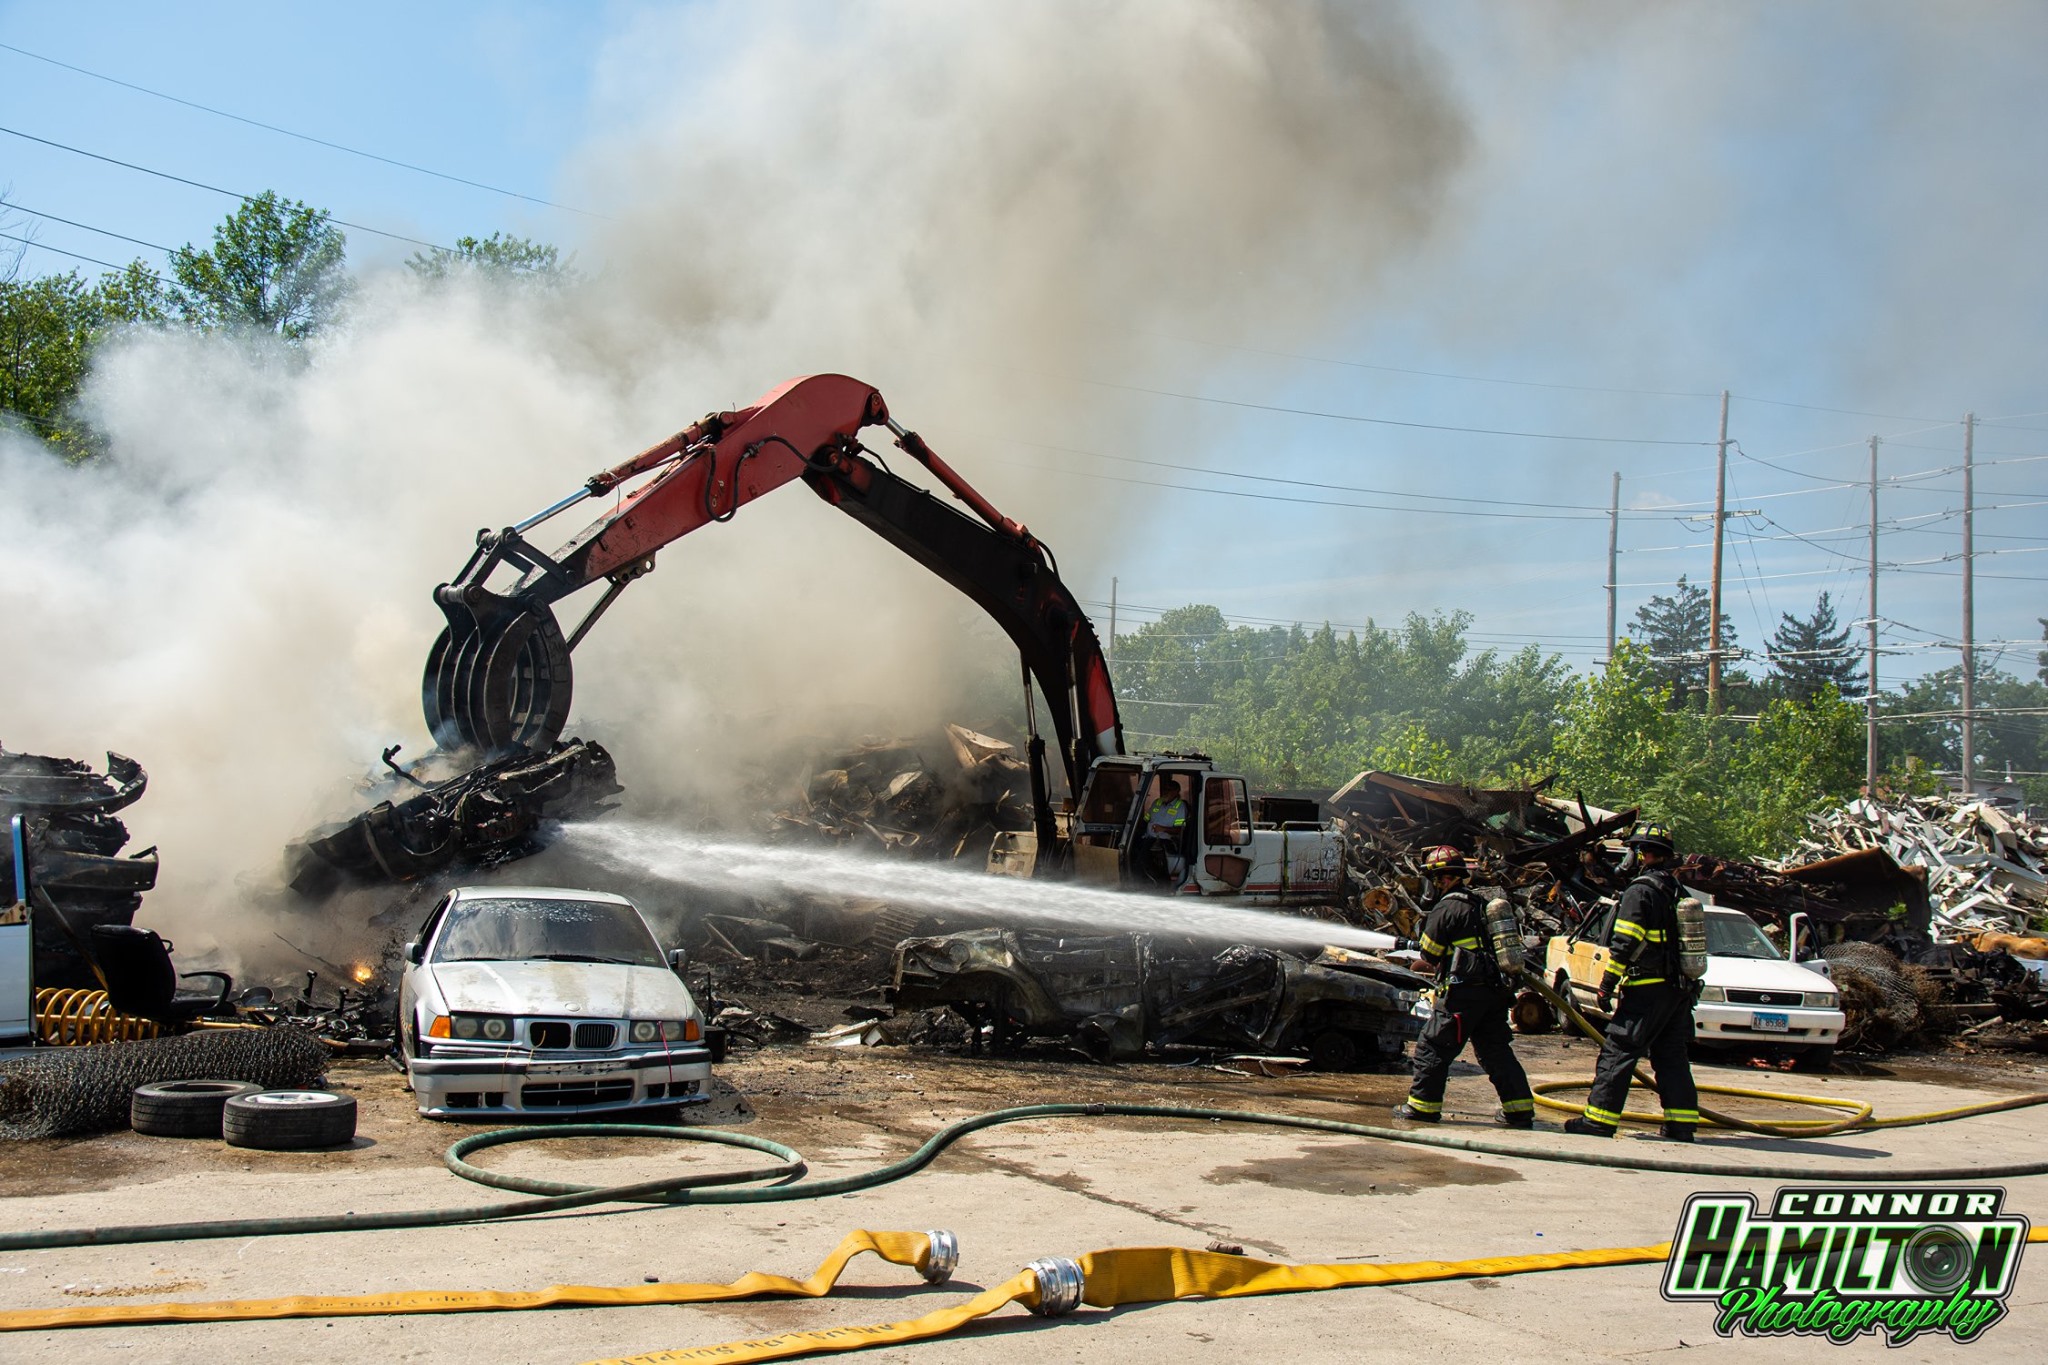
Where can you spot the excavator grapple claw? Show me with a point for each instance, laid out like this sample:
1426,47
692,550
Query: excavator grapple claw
498,679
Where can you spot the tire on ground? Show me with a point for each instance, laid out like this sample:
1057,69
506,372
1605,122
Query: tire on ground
289,1120
183,1108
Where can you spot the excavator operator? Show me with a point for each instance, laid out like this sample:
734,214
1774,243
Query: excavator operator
1166,825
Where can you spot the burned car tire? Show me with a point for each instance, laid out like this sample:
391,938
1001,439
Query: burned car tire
1532,1014
1333,1051
184,1108
289,1120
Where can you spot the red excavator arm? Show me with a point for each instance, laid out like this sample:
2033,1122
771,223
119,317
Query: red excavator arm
498,679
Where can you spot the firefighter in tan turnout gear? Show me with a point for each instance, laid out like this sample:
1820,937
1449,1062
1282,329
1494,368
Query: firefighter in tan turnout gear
1471,1003
1654,1019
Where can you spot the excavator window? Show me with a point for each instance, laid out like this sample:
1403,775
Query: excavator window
1109,796
1226,812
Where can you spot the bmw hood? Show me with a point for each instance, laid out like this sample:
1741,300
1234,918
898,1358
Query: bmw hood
585,990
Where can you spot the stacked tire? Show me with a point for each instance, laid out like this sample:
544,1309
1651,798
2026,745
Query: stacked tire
243,1114
184,1108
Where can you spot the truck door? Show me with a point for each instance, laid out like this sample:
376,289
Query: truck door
1226,836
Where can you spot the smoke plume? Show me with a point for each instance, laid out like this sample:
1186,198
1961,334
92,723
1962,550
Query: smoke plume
978,209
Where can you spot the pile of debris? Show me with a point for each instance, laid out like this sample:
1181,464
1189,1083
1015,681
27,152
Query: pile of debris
901,797
1545,854
482,816
72,837
1984,869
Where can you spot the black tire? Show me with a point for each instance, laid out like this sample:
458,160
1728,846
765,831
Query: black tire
1532,1014
1333,1051
289,1120
183,1108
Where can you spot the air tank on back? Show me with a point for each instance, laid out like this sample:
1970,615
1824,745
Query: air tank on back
1692,937
1506,932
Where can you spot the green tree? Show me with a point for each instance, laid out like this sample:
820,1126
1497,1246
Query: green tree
1726,787
1811,654
1674,631
499,258
275,266
50,327
2009,730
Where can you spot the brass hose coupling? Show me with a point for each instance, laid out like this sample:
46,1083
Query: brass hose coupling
1059,1286
942,1258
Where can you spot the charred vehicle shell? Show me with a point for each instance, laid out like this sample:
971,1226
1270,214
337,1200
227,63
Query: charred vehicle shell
520,999
1115,994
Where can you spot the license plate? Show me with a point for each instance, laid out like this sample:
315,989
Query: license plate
1771,1023
574,1068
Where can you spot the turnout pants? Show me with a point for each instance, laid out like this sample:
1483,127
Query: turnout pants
1466,1013
1653,1021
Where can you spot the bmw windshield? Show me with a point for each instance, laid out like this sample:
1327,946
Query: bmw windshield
518,930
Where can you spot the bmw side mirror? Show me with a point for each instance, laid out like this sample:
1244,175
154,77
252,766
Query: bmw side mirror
415,952
677,960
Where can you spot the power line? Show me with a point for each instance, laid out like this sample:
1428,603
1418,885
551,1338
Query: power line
211,189
36,213
30,241
1334,487
303,137
1386,421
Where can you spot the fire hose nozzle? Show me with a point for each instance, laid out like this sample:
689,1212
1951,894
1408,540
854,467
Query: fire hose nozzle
1059,1286
942,1258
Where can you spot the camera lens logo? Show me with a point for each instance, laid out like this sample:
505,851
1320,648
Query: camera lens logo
1938,1259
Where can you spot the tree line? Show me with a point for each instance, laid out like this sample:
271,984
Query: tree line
1306,709
275,268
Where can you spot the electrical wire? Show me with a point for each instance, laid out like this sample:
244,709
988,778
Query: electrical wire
76,256
302,137
67,222
211,189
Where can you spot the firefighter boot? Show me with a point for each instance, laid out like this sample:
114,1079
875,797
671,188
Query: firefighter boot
1678,1132
1525,1118
1586,1127
1408,1111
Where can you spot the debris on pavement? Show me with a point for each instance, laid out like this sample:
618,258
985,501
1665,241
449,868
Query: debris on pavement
56,1092
1985,868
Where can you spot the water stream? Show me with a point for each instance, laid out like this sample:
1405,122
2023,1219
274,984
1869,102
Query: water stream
697,861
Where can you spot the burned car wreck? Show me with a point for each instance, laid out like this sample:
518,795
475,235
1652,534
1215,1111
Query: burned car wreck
489,814
1115,995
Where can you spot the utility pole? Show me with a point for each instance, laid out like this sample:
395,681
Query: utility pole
1112,623
1714,596
1969,603
1613,528
1870,702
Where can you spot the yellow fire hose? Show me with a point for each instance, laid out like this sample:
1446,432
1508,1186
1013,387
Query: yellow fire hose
1859,1116
1050,1287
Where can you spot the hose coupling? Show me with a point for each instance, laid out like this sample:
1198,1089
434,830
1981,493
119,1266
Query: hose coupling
941,1258
1096,1110
1059,1286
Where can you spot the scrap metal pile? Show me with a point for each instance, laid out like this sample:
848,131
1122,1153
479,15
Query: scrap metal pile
1545,854
1985,869
904,797
77,878
488,814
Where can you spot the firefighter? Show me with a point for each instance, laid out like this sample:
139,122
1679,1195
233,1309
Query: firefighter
1471,1005
1654,1019
1166,826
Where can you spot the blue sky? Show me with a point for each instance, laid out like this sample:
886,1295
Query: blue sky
1833,211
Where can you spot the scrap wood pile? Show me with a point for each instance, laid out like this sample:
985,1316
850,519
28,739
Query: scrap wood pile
1543,853
1986,869
920,799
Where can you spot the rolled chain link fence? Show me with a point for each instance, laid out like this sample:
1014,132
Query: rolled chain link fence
57,1092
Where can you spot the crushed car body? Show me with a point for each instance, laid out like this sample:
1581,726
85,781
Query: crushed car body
520,999
1115,994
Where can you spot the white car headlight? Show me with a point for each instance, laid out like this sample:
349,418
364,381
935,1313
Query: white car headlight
1820,1000
645,1030
1712,994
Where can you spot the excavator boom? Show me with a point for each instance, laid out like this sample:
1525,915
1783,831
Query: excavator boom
498,679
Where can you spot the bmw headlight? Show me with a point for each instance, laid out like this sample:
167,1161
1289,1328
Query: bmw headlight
646,1030
1712,995
1820,1000
490,1028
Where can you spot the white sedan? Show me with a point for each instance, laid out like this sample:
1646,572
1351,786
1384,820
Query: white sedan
1753,995
520,999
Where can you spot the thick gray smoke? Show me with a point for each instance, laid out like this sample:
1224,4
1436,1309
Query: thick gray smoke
971,207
